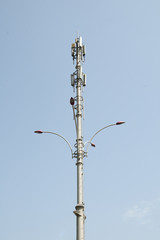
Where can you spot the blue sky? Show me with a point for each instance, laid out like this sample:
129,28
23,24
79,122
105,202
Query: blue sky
37,174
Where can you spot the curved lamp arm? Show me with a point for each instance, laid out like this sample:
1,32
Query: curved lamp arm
89,142
40,132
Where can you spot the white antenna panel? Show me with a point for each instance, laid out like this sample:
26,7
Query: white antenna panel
80,41
84,79
72,80
84,50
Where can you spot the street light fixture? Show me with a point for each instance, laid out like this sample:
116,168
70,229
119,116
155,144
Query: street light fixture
40,132
78,81
89,142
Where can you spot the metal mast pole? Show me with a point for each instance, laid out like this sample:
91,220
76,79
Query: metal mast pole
78,81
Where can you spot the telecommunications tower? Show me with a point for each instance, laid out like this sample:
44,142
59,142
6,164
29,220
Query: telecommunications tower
78,82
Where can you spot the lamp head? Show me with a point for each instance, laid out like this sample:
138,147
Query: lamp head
93,145
38,131
119,123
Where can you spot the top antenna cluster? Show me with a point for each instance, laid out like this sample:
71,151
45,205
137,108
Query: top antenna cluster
78,48
78,52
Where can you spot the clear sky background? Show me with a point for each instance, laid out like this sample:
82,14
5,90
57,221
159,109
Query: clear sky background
122,174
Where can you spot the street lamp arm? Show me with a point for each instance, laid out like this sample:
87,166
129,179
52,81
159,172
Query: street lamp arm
39,131
89,142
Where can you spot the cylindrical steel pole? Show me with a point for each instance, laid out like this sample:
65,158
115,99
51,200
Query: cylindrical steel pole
78,55
80,204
